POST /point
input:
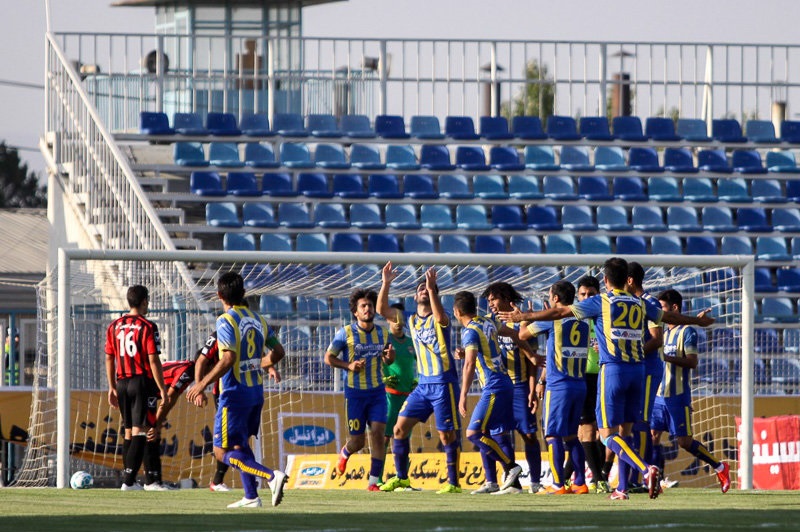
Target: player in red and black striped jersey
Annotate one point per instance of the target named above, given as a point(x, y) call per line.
point(134, 374)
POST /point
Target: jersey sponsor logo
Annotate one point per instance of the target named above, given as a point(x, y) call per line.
point(250, 365)
point(367, 350)
point(578, 352)
point(152, 402)
point(308, 435)
point(626, 334)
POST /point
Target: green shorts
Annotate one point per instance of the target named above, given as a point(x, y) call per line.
point(395, 403)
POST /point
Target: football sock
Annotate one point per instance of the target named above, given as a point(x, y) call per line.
point(452, 453)
point(152, 462)
point(400, 449)
point(219, 474)
point(135, 457)
point(489, 468)
point(533, 455)
point(658, 456)
point(623, 475)
point(592, 459)
point(344, 452)
point(578, 459)
point(126, 445)
point(507, 446)
point(487, 445)
point(700, 451)
point(555, 449)
point(244, 460)
point(622, 449)
point(376, 467)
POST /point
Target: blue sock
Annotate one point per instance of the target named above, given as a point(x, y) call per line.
point(578, 458)
point(489, 468)
point(489, 446)
point(555, 448)
point(700, 451)
point(401, 449)
point(658, 456)
point(244, 460)
point(622, 449)
point(452, 453)
point(623, 475)
point(376, 467)
point(249, 484)
point(506, 445)
point(533, 455)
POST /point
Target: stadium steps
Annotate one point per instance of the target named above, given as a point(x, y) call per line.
point(170, 214)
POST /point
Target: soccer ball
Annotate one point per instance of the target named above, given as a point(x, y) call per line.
point(81, 480)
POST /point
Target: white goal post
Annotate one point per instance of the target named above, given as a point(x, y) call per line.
point(742, 313)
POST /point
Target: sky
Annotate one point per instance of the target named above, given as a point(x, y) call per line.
point(23, 27)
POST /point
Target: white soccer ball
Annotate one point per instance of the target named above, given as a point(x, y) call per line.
point(81, 480)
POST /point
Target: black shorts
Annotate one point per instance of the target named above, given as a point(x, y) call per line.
point(136, 396)
point(588, 414)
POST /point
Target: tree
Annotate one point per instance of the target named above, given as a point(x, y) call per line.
point(537, 97)
point(18, 187)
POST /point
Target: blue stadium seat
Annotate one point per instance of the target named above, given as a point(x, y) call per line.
point(540, 158)
point(660, 129)
point(679, 160)
point(153, 123)
point(718, 220)
point(426, 128)
point(470, 158)
point(489, 187)
point(188, 124)
point(413, 243)
point(505, 159)
point(761, 132)
point(508, 218)
point(460, 128)
point(278, 185)
point(435, 157)
point(628, 189)
point(528, 128)
point(791, 340)
point(258, 214)
point(790, 131)
point(242, 184)
point(314, 242)
point(384, 186)
point(275, 307)
point(454, 186)
point(255, 125)
point(560, 243)
point(595, 128)
point(559, 188)
point(577, 218)
point(331, 157)
point(699, 189)
point(525, 244)
point(666, 245)
point(782, 161)
point(648, 218)
point(753, 220)
point(701, 245)
point(436, 217)
point(257, 155)
point(257, 276)
point(692, 130)
point(347, 242)
point(727, 130)
point(295, 338)
point(222, 214)
point(296, 155)
point(472, 217)
point(612, 218)
point(356, 127)
point(767, 191)
point(562, 128)
point(788, 279)
point(543, 218)
point(490, 244)
point(786, 220)
point(770, 248)
point(224, 154)
point(454, 244)
point(222, 124)
point(401, 216)
point(238, 242)
point(189, 154)
point(766, 341)
point(763, 280)
point(495, 128)
point(644, 160)
point(713, 161)
point(349, 186)
point(313, 185)
point(628, 128)
point(663, 189)
point(419, 186)
point(631, 245)
point(594, 188)
point(366, 216)
point(576, 159)
point(777, 310)
point(289, 125)
point(747, 162)
point(330, 216)
point(735, 245)
point(383, 243)
point(793, 190)
point(206, 184)
point(524, 187)
point(610, 159)
point(595, 244)
point(683, 219)
point(401, 157)
point(323, 126)
point(294, 215)
point(391, 127)
point(313, 308)
point(366, 157)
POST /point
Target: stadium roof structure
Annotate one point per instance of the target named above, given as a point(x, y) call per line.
point(25, 236)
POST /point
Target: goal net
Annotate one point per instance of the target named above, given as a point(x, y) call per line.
point(304, 297)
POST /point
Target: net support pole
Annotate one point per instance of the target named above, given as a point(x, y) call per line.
point(63, 393)
point(748, 381)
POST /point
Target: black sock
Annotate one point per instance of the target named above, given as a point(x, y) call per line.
point(219, 475)
point(569, 469)
point(590, 450)
point(126, 445)
point(135, 457)
point(607, 468)
point(152, 462)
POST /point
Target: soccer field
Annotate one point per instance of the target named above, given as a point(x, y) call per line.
point(678, 509)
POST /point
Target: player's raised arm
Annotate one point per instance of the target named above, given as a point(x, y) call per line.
point(382, 307)
point(550, 314)
point(676, 318)
point(438, 310)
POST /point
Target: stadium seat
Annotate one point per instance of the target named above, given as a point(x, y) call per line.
point(777, 310)
point(356, 127)
point(295, 338)
point(206, 184)
point(612, 218)
point(426, 128)
point(313, 308)
point(330, 216)
point(435, 157)
point(289, 125)
point(701, 245)
point(366, 157)
point(540, 158)
point(383, 243)
point(610, 159)
point(314, 242)
point(683, 219)
point(793, 190)
point(761, 132)
point(595, 244)
point(401, 216)
point(323, 126)
point(419, 186)
point(222, 214)
point(576, 159)
point(154, 123)
point(401, 157)
point(795, 247)
point(472, 217)
point(313, 185)
point(494, 128)
point(631, 245)
point(594, 188)
point(278, 185)
point(238, 242)
point(490, 244)
point(330, 157)
point(188, 124)
point(595, 128)
point(727, 130)
point(384, 186)
point(679, 160)
point(782, 161)
point(349, 186)
point(275, 307)
point(648, 218)
point(489, 187)
point(390, 127)
point(663, 189)
point(242, 184)
point(791, 340)
point(753, 220)
point(786, 220)
point(524, 187)
point(224, 154)
point(508, 218)
point(255, 125)
point(562, 128)
point(698, 189)
point(436, 217)
point(505, 159)
point(788, 279)
point(454, 244)
point(790, 131)
point(735, 245)
point(767, 191)
point(628, 189)
point(366, 216)
point(296, 155)
point(713, 161)
point(660, 129)
point(763, 280)
point(718, 220)
point(470, 158)
point(577, 218)
point(454, 186)
point(294, 216)
point(460, 128)
point(666, 245)
point(559, 188)
point(258, 215)
point(525, 244)
point(543, 218)
point(528, 128)
point(644, 160)
point(747, 162)
point(257, 155)
point(413, 243)
point(222, 124)
point(628, 128)
point(347, 242)
point(560, 243)
point(772, 248)
point(692, 130)
point(189, 154)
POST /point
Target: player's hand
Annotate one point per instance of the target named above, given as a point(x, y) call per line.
point(193, 392)
point(705, 321)
point(540, 391)
point(414, 384)
point(388, 354)
point(388, 273)
point(357, 366)
point(430, 281)
point(462, 406)
point(514, 315)
point(459, 353)
point(201, 400)
point(391, 381)
point(274, 374)
point(112, 399)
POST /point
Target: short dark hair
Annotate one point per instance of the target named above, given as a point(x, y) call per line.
point(615, 270)
point(504, 291)
point(362, 293)
point(565, 291)
point(136, 295)
point(230, 287)
point(672, 297)
point(466, 303)
point(589, 281)
point(636, 272)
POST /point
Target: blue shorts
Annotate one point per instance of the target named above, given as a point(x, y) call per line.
point(492, 413)
point(563, 404)
point(439, 399)
point(233, 425)
point(620, 396)
point(654, 373)
point(365, 406)
point(673, 415)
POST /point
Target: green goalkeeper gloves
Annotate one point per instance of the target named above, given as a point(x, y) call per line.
point(391, 381)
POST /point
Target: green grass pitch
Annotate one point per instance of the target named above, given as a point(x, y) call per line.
point(677, 509)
